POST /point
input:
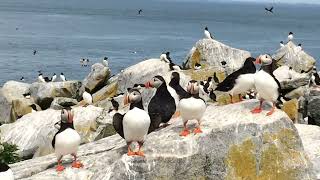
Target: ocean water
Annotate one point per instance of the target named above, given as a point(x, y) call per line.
point(64, 31)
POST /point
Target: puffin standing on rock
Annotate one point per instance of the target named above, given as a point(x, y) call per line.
point(66, 140)
point(267, 86)
point(162, 105)
point(207, 34)
point(192, 107)
point(165, 56)
point(239, 81)
point(87, 97)
point(5, 172)
point(134, 125)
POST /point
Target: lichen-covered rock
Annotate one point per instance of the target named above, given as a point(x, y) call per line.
point(96, 79)
point(210, 54)
point(59, 103)
point(310, 136)
point(108, 91)
point(44, 93)
point(13, 91)
point(235, 144)
point(290, 55)
point(36, 130)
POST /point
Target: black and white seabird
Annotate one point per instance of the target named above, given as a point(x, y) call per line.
point(269, 10)
point(105, 62)
point(207, 85)
point(33, 108)
point(43, 79)
point(5, 172)
point(62, 77)
point(82, 61)
point(207, 34)
point(87, 98)
point(315, 79)
point(299, 48)
point(215, 78)
point(175, 85)
point(281, 44)
point(165, 56)
point(86, 62)
point(197, 66)
point(162, 105)
point(134, 125)
point(54, 77)
point(66, 140)
point(22, 79)
point(239, 81)
point(140, 11)
point(27, 95)
point(192, 108)
point(34, 52)
point(290, 36)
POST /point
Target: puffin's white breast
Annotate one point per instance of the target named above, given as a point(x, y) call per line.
point(207, 34)
point(87, 97)
point(266, 86)
point(174, 95)
point(7, 175)
point(136, 124)
point(67, 142)
point(243, 83)
point(192, 108)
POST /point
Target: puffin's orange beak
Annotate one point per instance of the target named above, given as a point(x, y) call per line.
point(126, 100)
point(258, 61)
point(148, 85)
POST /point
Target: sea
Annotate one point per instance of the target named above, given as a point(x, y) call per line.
point(64, 31)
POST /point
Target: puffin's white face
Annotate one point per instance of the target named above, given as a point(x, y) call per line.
point(133, 96)
point(193, 87)
point(264, 59)
point(155, 82)
point(66, 116)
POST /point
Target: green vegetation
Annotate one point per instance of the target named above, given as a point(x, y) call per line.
point(8, 153)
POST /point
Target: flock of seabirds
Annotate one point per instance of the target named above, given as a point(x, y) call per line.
point(170, 101)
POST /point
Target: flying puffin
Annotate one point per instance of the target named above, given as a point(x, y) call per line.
point(267, 86)
point(239, 81)
point(290, 36)
point(165, 56)
point(191, 108)
point(134, 125)
point(62, 77)
point(5, 172)
point(66, 140)
point(54, 77)
point(87, 97)
point(162, 105)
point(207, 34)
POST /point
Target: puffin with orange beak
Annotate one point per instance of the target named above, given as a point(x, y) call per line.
point(134, 125)
point(162, 105)
point(66, 140)
point(192, 107)
point(239, 81)
point(267, 86)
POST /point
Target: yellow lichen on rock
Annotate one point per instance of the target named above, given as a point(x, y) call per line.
point(279, 157)
point(195, 58)
point(291, 109)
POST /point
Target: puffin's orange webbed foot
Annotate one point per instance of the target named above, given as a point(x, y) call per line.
point(197, 131)
point(59, 168)
point(140, 153)
point(256, 110)
point(77, 164)
point(131, 153)
point(185, 132)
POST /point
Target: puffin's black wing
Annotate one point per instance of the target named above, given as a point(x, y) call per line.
point(54, 141)
point(228, 83)
point(117, 124)
point(215, 78)
point(181, 92)
point(155, 122)
point(115, 104)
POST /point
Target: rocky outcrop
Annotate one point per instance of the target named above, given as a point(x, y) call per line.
point(36, 130)
point(235, 144)
point(108, 91)
point(310, 136)
point(291, 56)
point(12, 94)
point(96, 79)
point(44, 93)
point(59, 103)
point(314, 104)
point(210, 54)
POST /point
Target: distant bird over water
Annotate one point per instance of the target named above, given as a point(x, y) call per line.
point(140, 11)
point(207, 34)
point(269, 10)
point(34, 52)
point(22, 79)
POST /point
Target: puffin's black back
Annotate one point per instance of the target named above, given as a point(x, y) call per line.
point(4, 167)
point(162, 104)
point(175, 84)
point(117, 124)
point(228, 83)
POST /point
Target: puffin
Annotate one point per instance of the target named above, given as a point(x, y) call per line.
point(43, 79)
point(162, 105)
point(207, 85)
point(266, 84)
point(54, 77)
point(197, 66)
point(207, 34)
point(239, 81)
point(33, 108)
point(192, 107)
point(105, 62)
point(281, 44)
point(175, 67)
point(299, 48)
point(27, 95)
point(5, 172)
point(165, 56)
point(66, 140)
point(215, 78)
point(315, 79)
point(290, 36)
point(87, 97)
point(133, 126)
point(22, 79)
point(62, 77)
point(175, 84)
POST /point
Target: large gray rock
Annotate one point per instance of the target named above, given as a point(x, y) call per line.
point(290, 55)
point(235, 144)
point(313, 106)
point(36, 130)
point(97, 78)
point(59, 103)
point(12, 92)
point(44, 93)
point(210, 53)
point(310, 136)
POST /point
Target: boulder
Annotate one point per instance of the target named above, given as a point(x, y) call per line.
point(108, 91)
point(235, 144)
point(59, 103)
point(44, 93)
point(290, 55)
point(96, 79)
point(12, 93)
point(38, 129)
point(313, 108)
point(310, 136)
point(210, 54)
